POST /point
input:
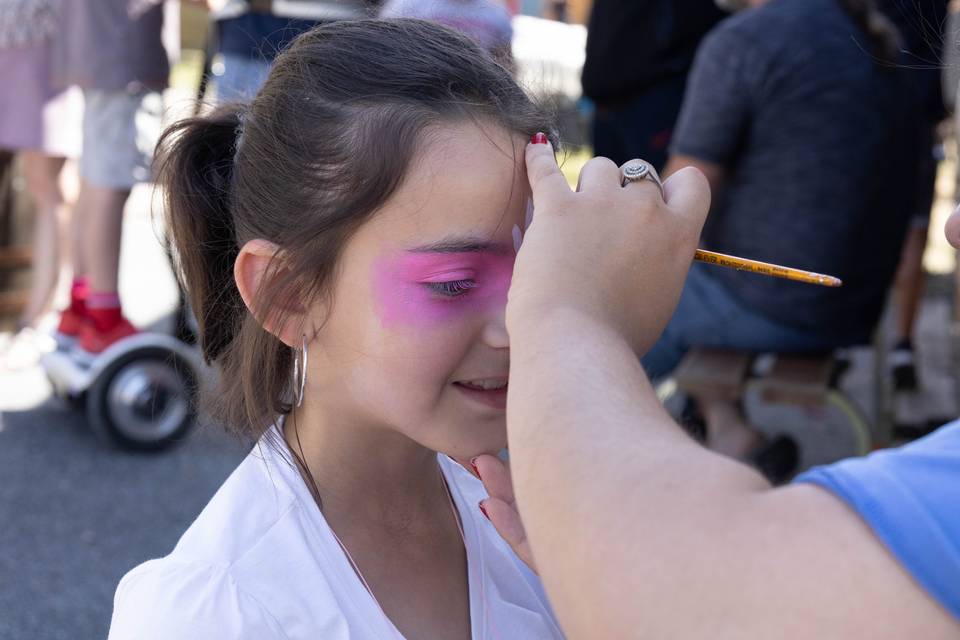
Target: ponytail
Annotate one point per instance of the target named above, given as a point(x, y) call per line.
point(196, 160)
point(884, 38)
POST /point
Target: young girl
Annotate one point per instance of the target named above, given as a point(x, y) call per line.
point(347, 241)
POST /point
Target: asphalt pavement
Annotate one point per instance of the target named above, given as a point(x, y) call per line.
point(75, 515)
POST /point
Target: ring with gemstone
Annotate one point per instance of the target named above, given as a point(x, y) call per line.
point(637, 170)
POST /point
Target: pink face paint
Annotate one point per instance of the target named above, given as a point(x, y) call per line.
point(427, 289)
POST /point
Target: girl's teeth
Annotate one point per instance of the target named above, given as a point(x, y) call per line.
point(486, 385)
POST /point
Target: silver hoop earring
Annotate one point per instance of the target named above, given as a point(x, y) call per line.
point(300, 372)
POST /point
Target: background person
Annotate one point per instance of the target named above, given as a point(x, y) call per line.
point(486, 22)
point(639, 53)
point(41, 122)
point(112, 50)
point(923, 24)
point(797, 143)
point(250, 35)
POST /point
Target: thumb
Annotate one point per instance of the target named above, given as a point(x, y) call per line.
point(543, 173)
point(687, 193)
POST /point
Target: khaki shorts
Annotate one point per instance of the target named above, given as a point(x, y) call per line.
point(120, 130)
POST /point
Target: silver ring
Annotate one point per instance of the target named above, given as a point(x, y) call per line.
point(637, 170)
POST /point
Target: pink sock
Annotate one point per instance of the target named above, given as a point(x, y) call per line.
point(104, 308)
point(79, 290)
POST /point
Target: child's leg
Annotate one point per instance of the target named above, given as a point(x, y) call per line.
point(119, 136)
point(102, 236)
point(75, 316)
point(909, 282)
point(78, 223)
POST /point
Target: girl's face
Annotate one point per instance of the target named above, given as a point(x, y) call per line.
point(414, 337)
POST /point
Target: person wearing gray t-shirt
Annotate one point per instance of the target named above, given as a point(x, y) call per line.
point(799, 116)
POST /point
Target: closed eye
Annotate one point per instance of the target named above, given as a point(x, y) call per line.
point(452, 289)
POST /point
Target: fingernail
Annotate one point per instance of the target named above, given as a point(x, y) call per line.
point(517, 238)
point(473, 463)
point(539, 138)
point(482, 510)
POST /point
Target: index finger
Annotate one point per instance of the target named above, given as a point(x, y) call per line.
point(543, 173)
point(496, 478)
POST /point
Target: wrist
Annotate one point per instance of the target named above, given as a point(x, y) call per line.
point(555, 326)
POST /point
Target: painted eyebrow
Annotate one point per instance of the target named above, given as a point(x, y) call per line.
point(461, 245)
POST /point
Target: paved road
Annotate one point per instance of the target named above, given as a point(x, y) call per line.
point(75, 516)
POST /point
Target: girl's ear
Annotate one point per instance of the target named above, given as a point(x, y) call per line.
point(259, 263)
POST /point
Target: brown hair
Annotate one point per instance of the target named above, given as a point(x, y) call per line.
point(322, 146)
point(884, 38)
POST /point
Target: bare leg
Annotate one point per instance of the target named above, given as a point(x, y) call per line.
point(78, 226)
point(42, 175)
point(910, 281)
point(103, 224)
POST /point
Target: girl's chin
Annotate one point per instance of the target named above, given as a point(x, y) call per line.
point(465, 454)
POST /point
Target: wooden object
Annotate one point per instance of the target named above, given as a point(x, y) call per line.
point(713, 373)
point(798, 379)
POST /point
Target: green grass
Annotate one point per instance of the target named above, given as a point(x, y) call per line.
point(185, 75)
point(572, 161)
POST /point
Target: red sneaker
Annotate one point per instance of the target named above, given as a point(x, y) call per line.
point(70, 326)
point(94, 341)
point(71, 322)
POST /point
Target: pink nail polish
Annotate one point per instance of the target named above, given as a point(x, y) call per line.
point(539, 138)
point(483, 510)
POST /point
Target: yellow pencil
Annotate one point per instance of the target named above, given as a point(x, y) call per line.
point(765, 268)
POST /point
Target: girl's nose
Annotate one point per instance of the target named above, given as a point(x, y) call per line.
point(495, 329)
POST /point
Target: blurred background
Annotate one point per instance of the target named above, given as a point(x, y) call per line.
point(104, 461)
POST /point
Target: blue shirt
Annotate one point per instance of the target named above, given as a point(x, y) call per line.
point(910, 497)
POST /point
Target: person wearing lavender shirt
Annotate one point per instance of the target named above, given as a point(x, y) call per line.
point(486, 22)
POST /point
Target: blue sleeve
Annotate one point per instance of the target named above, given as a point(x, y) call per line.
point(910, 497)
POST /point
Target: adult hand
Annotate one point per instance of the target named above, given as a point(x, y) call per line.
point(618, 254)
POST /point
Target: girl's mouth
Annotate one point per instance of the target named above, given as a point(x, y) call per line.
point(491, 392)
point(485, 384)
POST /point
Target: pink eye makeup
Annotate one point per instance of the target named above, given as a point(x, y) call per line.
point(452, 289)
point(442, 283)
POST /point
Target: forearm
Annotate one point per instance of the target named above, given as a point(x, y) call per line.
point(588, 470)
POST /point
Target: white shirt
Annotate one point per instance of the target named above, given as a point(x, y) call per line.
point(261, 562)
